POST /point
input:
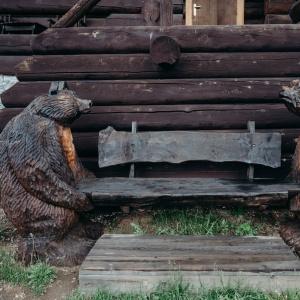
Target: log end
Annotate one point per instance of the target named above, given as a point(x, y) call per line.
point(294, 12)
point(164, 51)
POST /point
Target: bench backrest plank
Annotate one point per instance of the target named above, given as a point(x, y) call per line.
point(117, 147)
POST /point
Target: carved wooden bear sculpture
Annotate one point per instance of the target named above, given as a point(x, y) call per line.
point(290, 232)
point(291, 97)
point(39, 169)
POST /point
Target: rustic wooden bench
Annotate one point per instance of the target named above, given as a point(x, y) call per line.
point(175, 147)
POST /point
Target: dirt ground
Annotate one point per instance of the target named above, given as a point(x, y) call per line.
point(65, 283)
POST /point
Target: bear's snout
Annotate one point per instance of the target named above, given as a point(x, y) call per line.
point(85, 105)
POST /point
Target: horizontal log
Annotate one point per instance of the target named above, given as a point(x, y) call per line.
point(190, 39)
point(86, 143)
point(141, 192)
point(60, 7)
point(9, 62)
point(188, 170)
point(278, 19)
point(179, 117)
point(277, 6)
point(174, 91)
point(12, 44)
point(135, 66)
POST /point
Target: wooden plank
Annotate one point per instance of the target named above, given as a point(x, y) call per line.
point(144, 261)
point(117, 147)
point(278, 19)
point(16, 44)
point(179, 117)
point(145, 192)
point(86, 143)
point(136, 66)
point(148, 281)
point(277, 6)
point(51, 7)
point(190, 39)
point(143, 92)
point(76, 12)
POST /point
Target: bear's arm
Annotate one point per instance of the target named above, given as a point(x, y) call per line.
point(28, 159)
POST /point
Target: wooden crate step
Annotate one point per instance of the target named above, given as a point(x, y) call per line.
point(127, 263)
point(143, 192)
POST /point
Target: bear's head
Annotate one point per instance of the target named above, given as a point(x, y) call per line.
point(291, 96)
point(63, 107)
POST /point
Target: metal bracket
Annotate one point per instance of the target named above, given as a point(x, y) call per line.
point(195, 8)
point(132, 168)
point(251, 128)
point(57, 86)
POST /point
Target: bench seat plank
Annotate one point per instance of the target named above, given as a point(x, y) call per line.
point(119, 147)
point(130, 262)
point(143, 192)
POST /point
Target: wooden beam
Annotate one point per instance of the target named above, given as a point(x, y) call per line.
point(179, 117)
point(81, 8)
point(190, 39)
point(158, 92)
point(16, 44)
point(140, 66)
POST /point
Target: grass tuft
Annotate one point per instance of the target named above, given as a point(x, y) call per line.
point(201, 222)
point(182, 291)
point(36, 277)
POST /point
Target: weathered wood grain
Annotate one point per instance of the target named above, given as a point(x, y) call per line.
point(140, 66)
point(137, 262)
point(179, 117)
point(179, 146)
point(141, 92)
point(167, 192)
point(86, 143)
point(51, 7)
point(166, 13)
point(16, 44)
point(190, 39)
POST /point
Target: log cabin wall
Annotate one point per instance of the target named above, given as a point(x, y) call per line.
point(232, 76)
point(224, 78)
point(42, 14)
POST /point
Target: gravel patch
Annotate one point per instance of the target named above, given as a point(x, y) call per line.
point(5, 83)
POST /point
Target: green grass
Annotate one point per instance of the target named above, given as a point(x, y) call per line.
point(36, 277)
point(181, 291)
point(202, 222)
